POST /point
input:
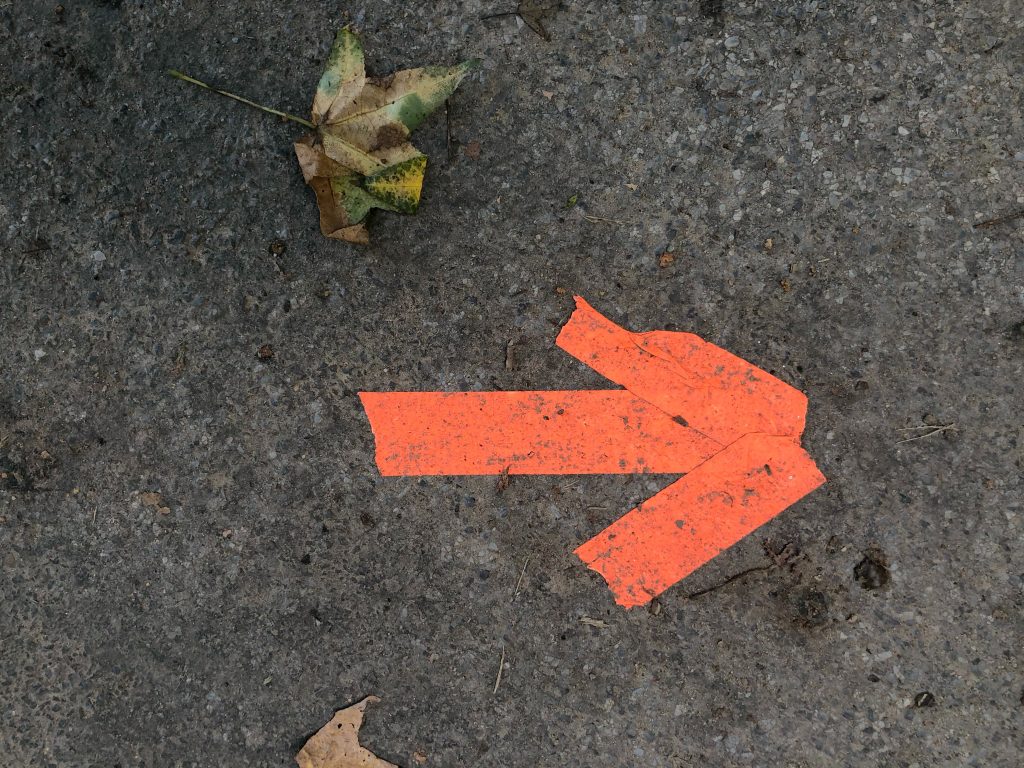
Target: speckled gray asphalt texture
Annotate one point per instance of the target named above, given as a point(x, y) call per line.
point(200, 560)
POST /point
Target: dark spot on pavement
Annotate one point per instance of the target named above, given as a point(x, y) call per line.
point(811, 608)
point(711, 9)
point(873, 571)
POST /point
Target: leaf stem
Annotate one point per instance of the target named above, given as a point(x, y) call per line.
point(295, 119)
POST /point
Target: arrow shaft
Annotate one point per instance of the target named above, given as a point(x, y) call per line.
point(529, 433)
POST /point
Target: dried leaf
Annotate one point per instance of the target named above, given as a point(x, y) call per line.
point(360, 157)
point(336, 745)
point(344, 78)
point(388, 110)
point(533, 13)
point(343, 204)
point(399, 186)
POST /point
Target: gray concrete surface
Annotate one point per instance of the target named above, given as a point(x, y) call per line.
point(276, 576)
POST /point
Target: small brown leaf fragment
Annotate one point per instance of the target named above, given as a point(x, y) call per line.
point(155, 501)
point(769, 244)
point(666, 259)
point(265, 352)
point(472, 150)
point(336, 745)
point(151, 499)
point(180, 362)
point(785, 285)
point(419, 758)
point(502, 485)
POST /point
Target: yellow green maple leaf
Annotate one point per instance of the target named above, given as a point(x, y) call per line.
point(358, 156)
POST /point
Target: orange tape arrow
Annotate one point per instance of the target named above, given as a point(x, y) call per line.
point(687, 407)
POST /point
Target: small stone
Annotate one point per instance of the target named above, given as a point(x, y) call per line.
point(665, 259)
point(732, 42)
point(265, 352)
point(924, 699)
point(278, 247)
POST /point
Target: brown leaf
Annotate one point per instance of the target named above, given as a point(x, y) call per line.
point(336, 745)
point(318, 170)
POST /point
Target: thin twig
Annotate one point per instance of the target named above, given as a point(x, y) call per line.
point(1000, 219)
point(532, 19)
point(287, 116)
point(935, 430)
point(501, 666)
point(588, 217)
point(781, 558)
point(515, 592)
point(448, 128)
point(730, 580)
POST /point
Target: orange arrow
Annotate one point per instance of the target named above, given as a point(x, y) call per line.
point(687, 407)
